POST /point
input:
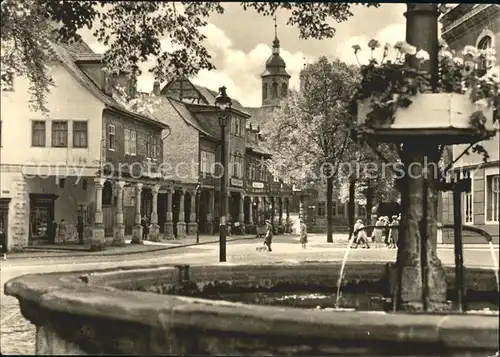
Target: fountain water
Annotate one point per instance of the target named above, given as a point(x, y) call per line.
point(342, 268)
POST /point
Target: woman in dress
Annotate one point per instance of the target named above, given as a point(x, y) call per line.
point(378, 233)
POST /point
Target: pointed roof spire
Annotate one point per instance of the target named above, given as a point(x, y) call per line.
point(276, 42)
point(275, 27)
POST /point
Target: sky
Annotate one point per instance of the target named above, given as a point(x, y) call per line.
point(240, 43)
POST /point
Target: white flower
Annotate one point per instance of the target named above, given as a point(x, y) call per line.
point(422, 55)
point(445, 54)
point(458, 61)
point(409, 49)
point(399, 45)
point(470, 51)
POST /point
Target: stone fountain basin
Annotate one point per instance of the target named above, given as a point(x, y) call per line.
point(131, 310)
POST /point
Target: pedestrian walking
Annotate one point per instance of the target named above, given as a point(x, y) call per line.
point(378, 232)
point(361, 235)
point(79, 229)
point(394, 234)
point(61, 233)
point(145, 227)
point(268, 239)
point(386, 231)
point(52, 231)
point(303, 234)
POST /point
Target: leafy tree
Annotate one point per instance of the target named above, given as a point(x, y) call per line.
point(309, 134)
point(132, 31)
point(370, 177)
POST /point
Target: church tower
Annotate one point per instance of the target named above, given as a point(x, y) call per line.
point(275, 79)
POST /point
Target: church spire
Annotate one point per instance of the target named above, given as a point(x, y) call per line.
point(276, 42)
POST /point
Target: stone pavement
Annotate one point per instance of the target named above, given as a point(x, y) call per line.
point(17, 335)
point(341, 240)
point(55, 251)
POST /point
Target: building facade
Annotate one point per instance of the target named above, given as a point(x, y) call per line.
point(476, 25)
point(198, 135)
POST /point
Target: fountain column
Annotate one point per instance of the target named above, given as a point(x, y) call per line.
point(421, 278)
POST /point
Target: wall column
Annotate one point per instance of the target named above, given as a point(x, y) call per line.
point(154, 229)
point(241, 213)
point(250, 211)
point(280, 212)
point(137, 229)
point(263, 203)
point(169, 224)
point(119, 228)
point(287, 210)
point(301, 209)
point(210, 211)
point(273, 209)
point(192, 225)
point(98, 241)
point(181, 225)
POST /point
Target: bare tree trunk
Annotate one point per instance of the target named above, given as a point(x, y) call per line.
point(329, 209)
point(369, 206)
point(350, 206)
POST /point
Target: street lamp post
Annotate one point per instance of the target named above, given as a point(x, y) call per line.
point(198, 192)
point(223, 103)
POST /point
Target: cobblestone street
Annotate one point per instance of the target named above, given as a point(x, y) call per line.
point(18, 335)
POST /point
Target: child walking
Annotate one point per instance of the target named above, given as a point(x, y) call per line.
point(268, 240)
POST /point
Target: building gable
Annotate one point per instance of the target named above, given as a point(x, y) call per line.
point(183, 90)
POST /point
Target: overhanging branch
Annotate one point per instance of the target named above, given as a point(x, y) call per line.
point(381, 156)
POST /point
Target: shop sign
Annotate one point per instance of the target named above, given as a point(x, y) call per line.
point(236, 182)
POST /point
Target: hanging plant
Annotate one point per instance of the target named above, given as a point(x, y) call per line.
point(389, 85)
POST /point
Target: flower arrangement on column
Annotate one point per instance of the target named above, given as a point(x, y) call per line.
point(465, 96)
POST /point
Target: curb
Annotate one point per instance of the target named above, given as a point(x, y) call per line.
point(63, 254)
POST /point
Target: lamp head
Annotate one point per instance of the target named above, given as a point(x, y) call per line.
point(222, 101)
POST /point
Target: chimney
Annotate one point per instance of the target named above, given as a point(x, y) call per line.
point(156, 88)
